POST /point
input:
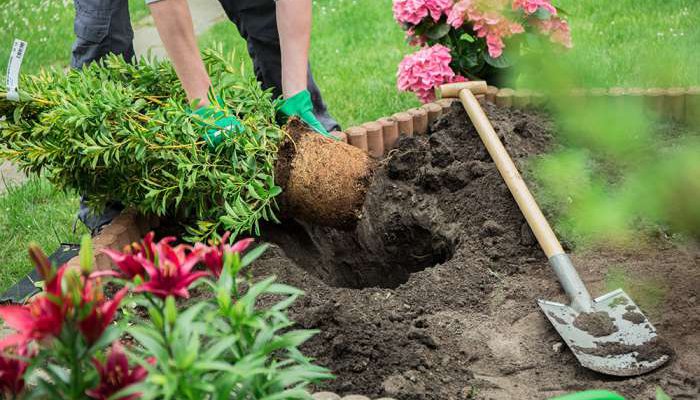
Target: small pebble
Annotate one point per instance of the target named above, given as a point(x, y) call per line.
point(355, 397)
point(557, 347)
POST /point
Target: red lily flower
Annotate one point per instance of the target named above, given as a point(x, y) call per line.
point(115, 375)
point(171, 273)
point(128, 261)
point(12, 371)
point(213, 256)
point(101, 314)
point(41, 319)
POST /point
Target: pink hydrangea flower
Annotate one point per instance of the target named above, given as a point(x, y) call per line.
point(413, 11)
point(458, 13)
point(422, 71)
point(557, 29)
point(487, 21)
point(531, 6)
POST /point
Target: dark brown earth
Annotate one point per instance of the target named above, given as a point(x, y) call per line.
point(633, 317)
point(434, 295)
point(597, 324)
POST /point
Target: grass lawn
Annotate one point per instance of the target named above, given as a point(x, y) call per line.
point(356, 47)
point(33, 212)
point(48, 30)
point(635, 42)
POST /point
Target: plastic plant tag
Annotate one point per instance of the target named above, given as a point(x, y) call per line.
point(13, 67)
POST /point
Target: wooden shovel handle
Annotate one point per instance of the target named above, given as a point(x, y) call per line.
point(538, 223)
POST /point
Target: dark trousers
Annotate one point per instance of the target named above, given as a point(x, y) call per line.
point(104, 26)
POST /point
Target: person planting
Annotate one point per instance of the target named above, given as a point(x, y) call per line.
point(125, 132)
point(278, 36)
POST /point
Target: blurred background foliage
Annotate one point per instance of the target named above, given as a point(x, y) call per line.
point(621, 171)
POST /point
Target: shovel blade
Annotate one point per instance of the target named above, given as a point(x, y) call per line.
point(613, 338)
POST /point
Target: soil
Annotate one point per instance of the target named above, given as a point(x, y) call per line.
point(598, 324)
point(633, 317)
point(433, 295)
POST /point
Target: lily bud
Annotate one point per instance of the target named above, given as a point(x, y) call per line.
point(73, 285)
point(40, 261)
point(86, 254)
point(170, 311)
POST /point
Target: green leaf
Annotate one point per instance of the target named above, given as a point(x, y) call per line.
point(275, 191)
point(253, 255)
point(467, 37)
point(150, 341)
point(438, 31)
point(661, 395)
point(501, 62)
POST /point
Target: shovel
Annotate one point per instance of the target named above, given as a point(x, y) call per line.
point(608, 334)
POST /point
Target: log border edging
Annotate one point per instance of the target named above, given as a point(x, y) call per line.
point(679, 104)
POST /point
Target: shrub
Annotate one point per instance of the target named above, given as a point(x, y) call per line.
point(121, 131)
point(474, 39)
point(222, 345)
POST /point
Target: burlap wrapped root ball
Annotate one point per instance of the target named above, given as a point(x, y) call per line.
point(325, 181)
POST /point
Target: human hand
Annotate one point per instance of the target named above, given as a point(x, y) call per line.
point(300, 106)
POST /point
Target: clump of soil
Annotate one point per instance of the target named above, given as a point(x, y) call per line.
point(433, 295)
point(633, 317)
point(649, 351)
point(597, 324)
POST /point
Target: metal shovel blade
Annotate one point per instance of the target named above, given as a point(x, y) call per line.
point(613, 338)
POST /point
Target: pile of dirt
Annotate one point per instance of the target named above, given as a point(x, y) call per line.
point(433, 296)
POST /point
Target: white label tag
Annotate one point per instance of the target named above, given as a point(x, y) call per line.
point(13, 66)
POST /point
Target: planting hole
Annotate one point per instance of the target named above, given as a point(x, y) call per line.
point(366, 257)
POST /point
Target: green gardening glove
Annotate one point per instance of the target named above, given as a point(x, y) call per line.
point(591, 395)
point(221, 126)
point(300, 106)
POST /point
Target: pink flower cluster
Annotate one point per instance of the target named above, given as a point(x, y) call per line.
point(531, 6)
point(424, 70)
point(167, 270)
point(413, 11)
point(557, 29)
point(487, 21)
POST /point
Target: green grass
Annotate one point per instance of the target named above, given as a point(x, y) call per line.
point(636, 42)
point(47, 26)
point(33, 212)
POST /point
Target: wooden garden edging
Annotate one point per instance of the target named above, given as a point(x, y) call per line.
point(677, 104)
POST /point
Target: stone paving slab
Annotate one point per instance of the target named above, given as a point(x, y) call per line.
point(9, 176)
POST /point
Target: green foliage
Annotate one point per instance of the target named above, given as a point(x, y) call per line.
point(121, 131)
point(621, 170)
point(234, 341)
point(227, 346)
